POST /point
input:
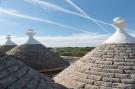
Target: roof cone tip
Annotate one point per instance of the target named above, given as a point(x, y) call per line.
point(9, 42)
point(120, 36)
point(31, 39)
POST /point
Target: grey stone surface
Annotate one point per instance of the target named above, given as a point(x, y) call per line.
point(5, 48)
point(16, 75)
point(109, 66)
point(38, 57)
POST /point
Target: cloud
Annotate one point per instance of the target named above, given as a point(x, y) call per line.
point(97, 22)
point(44, 4)
point(16, 13)
point(85, 15)
point(75, 6)
point(75, 40)
point(81, 14)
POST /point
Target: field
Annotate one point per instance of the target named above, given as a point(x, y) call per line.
point(72, 51)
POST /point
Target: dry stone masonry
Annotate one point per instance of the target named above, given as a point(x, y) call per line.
point(109, 66)
point(37, 56)
point(16, 75)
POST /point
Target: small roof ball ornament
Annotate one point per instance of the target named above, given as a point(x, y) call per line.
point(119, 23)
point(30, 33)
point(8, 37)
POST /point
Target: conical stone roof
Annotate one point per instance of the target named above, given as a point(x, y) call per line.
point(16, 75)
point(8, 45)
point(36, 55)
point(109, 66)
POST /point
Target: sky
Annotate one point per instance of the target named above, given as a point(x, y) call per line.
point(62, 23)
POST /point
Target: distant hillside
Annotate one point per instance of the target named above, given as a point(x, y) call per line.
point(72, 51)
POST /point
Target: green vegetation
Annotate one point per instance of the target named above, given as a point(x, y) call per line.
point(73, 51)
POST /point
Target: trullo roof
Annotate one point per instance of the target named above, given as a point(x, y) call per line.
point(36, 55)
point(109, 66)
point(16, 75)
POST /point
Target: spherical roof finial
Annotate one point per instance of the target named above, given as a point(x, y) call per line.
point(30, 33)
point(8, 37)
point(119, 22)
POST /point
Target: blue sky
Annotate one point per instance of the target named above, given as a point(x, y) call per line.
point(60, 18)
